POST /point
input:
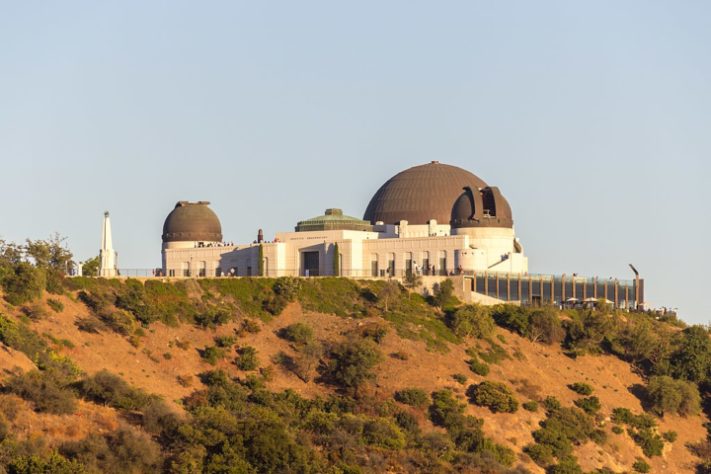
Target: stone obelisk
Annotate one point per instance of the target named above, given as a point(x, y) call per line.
point(107, 255)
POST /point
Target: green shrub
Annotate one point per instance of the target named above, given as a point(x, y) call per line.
point(471, 320)
point(247, 359)
point(667, 395)
point(105, 387)
point(651, 443)
point(22, 283)
point(641, 466)
point(625, 416)
point(35, 311)
point(544, 326)
point(412, 396)
point(692, 358)
point(670, 436)
point(590, 405)
point(298, 333)
point(581, 388)
point(212, 354)
point(530, 406)
point(352, 363)
point(512, 317)
point(225, 341)
point(445, 410)
point(443, 294)
point(494, 354)
point(478, 367)
point(375, 332)
point(493, 395)
point(382, 432)
point(617, 429)
point(551, 403)
point(46, 392)
point(460, 378)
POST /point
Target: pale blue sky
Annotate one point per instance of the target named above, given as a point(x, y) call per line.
point(594, 118)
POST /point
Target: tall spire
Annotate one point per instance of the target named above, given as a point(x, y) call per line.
point(107, 255)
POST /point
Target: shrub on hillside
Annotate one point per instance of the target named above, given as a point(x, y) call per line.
point(375, 332)
point(46, 392)
point(581, 388)
point(667, 395)
point(384, 433)
point(493, 395)
point(443, 294)
point(123, 450)
point(471, 320)
point(590, 405)
point(22, 283)
point(530, 406)
point(56, 305)
point(412, 396)
point(544, 326)
point(692, 358)
point(105, 387)
point(512, 317)
point(247, 358)
point(352, 363)
point(212, 354)
point(478, 367)
point(298, 333)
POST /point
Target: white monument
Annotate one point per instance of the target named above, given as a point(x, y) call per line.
point(107, 255)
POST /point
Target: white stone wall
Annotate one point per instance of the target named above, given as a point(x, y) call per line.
point(478, 249)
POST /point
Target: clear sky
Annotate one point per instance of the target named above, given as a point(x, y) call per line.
point(594, 118)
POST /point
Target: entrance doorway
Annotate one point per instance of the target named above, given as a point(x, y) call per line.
point(310, 263)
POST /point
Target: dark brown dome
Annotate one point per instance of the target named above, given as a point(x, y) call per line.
point(192, 222)
point(485, 207)
point(419, 194)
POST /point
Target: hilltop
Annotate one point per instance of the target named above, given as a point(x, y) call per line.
point(336, 375)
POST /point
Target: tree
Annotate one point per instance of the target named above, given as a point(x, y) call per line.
point(336, 260)
point(390, 291)
point(91, 267)
point(443, 293)
point(667, 395)
point(692, 359)
point(352, 363)
point(412, 280)
point(471, 320)
point(544, 326)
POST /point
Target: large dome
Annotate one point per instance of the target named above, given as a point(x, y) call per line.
point(192, 222)
point(420, 193)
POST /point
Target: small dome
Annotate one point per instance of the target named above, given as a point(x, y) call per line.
point(485, 207)
point(192, 222)
point(420, 193)
point(333, 219)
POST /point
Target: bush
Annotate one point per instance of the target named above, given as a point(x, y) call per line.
point(581, 388)
point(412, 396)
point(225, 341)
point(460, 378)
point(471, 320)
point(247, 359)
point(443, 294)
point(493, 395)
point(45, 391)
point(382, 432)
point(530, 406)
point(298, 333)
point(352, 363)
point(617, 429)
point(23, 283)
point(590, 405)
point(667, 395)
point(641, 466)
point(478, 367)
point(56, 305)
point(212, 354)
point(544, 326)
point(651, 443)
point(376, 332)
point(105, 387)
point(670, 436)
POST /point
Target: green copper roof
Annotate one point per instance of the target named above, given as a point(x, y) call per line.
point(333, 219)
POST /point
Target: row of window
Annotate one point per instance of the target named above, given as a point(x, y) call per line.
point(425, 266)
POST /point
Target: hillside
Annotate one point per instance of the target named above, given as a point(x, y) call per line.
point(333, 375)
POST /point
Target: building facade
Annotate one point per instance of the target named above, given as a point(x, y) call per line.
point(433, 219)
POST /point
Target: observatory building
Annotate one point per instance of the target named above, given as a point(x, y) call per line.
point(433, 220)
